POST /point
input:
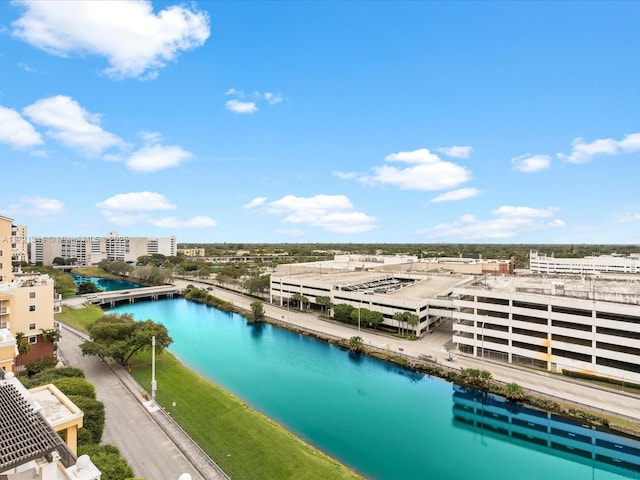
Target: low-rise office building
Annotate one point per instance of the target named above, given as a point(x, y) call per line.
point(581, 324)
point(593, 265)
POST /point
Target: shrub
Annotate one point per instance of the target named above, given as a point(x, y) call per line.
point(75, 386)
point(37, 366)
point(108, 460)
point(93, 421)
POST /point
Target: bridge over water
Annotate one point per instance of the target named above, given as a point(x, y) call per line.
point(116, 297)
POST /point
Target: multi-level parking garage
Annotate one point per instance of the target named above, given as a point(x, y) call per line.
point(570, 322)
point(383, 284)
point(585, 324)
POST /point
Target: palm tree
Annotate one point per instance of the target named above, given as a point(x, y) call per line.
point(356, 344)
point(412, 319)
point(399, 317)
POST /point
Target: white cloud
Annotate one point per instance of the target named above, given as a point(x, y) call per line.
point(194, 222)
point(629, 217)
point(345, 175)
point(237, 106)
point(508, 222)
point(136, 201)
point(582, 152)
point(455, 195)
point(71, 124)
point(421, 156)
point(15, 131)
point(272, 98)
point(150, 138)
point(136, 41)
point(43, 207)
point(256, 202)
point(333, 213)
point(157, 157)
point(136, 207)
point(456, 151)
point(248, 102)
point(427, 172)
point(531, 163)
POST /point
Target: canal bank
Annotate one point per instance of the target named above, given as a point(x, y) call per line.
point(365, 412)
point(582, 395)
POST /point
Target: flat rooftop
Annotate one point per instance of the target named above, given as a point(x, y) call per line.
point(412, 286)
point(614, 288)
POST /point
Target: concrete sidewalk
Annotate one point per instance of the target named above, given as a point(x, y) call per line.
point(153, 444)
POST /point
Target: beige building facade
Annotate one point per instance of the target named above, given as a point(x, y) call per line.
point(26, 304)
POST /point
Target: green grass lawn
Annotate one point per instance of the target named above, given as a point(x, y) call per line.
point(79, 318)
point(245, 443)
point(94, 272)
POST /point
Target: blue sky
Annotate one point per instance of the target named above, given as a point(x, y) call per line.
point(364, 122)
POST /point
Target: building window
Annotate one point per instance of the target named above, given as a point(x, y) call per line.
point(32, 308)
point(32, 326)
point(1, 253)
point(32, 294)
point(1, 265)
point(33, 339)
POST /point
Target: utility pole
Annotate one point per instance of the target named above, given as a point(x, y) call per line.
point(154, 385)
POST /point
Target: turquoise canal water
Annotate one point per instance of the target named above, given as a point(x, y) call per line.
point(106, 284)
point(383, 421)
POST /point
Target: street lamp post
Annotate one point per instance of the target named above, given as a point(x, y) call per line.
point(154, 385)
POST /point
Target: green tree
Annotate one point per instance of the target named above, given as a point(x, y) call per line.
point(258, 285)
point(375, 318)
point(412, 319)
point(325, 303)
point(88, 287)
point(399, 317)
point(36, 366)
point(300, 299)
point(120, 337)
point(342, 312)
point(257, 311)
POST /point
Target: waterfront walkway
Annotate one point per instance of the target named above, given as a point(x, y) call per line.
point(152, 443)
point(434, 345)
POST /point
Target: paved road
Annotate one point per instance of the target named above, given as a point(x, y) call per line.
point(153, 445)
point(434, 344)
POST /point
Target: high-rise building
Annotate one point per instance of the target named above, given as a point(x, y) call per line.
point(92, 250)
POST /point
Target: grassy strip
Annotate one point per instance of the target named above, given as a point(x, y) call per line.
point(79, 318)
point(245, 443)
point(95, 272)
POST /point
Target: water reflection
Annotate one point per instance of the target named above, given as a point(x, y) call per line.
point(256, 329)
point(106, 284)
point(498, 417)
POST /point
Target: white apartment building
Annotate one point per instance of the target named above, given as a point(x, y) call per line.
point(92, 250)
point(542, 263)
point(585, 324)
